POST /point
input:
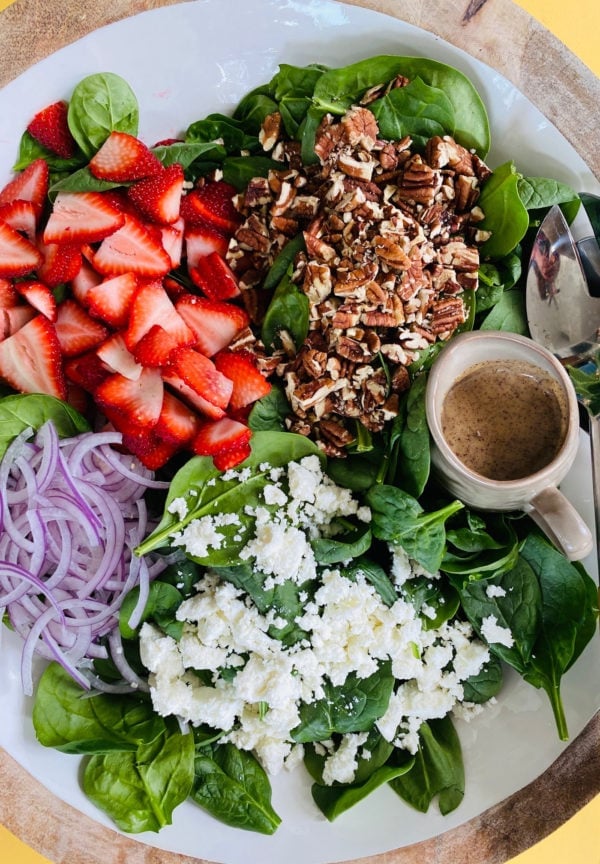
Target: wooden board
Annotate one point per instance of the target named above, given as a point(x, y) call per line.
point(504, 36)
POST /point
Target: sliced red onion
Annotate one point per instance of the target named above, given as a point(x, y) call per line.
point(72, 512)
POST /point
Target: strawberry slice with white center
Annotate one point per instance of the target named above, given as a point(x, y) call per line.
point(248, 383)
point(177, 422)
point(123, 158)
point(212, 203)
point(17, 255)
point(151, 305)
point(39, 296)
point(137, 402)
point(190, 397)
point(15, 317)
point(81, 217)
point(132, 249)
point(215, 323)
point(22, 216)
point(31, 359)
point(201, 374)
point(86, 370)
point(155, 347)
point(30, 185)
point(50, 127)
point(118, 358)
point(110, 300)
point(172, 241)
point(77, 332)
point(61, 262)
point(215, 278)
point(201, 240)
point(84, 279)
point(222, 435)
point(158, 197)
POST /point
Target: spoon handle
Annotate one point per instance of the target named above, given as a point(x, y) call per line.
point(595, 453)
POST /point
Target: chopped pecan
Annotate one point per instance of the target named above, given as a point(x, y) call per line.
point(360, 128)
point(254, 234)
point(335, 432)
point(446, 315)
point(270, 130)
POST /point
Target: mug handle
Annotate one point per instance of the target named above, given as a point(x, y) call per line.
point(561, 522)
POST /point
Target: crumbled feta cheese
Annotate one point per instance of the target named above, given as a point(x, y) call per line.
point(495, 591)
point(493, 632)
point(178, 507)
point(341, 765)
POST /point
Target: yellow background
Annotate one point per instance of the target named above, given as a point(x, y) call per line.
point(577, 24)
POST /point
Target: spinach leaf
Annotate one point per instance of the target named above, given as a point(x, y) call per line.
point(479, 546)
point(337, 89)
point(269, 413)
point(586, 381)
point(376, 575)
point(515, 604)
point(437, 770)
point(509, 313)
point(140, 790)
point(487, 683)
point(399, 518)
point(100, 104)
point(417, 109)
point(283, 261)
point(163, 601)
point(334, 800)
point(342, 547)
point(254, 108)
point(358, 471)
point(30, 150)
point(219, 127)
point(289, 311)
point(505, 214)
point(187, 152)
point(239, 170)
point(81, 180)
point(569, 611)
point(31, 410)
point(413, 456)
point(233, 787)
point(350, 707)
point(205, 492)
point(69, 719)
point(541, 193)
point(429, 596)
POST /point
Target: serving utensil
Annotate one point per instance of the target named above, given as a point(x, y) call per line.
point(563, 315)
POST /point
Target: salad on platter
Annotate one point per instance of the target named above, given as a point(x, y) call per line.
point(219, 524)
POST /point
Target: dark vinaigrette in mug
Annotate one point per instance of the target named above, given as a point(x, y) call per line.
point(505, 419)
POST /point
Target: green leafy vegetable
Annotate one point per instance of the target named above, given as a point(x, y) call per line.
point(417, 110)
point(232, 786)
point(288, 311)
point(31, 410)
point(161, 605)
point(100, 104)
point(505, 214)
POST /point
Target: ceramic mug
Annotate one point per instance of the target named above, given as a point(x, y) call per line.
point(537, 493)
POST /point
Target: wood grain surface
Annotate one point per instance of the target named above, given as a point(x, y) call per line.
point(505, 37)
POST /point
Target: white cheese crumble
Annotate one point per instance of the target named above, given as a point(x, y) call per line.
point(495, 591)
point(493, 632)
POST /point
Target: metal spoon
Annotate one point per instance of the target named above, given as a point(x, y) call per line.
point(563, 315)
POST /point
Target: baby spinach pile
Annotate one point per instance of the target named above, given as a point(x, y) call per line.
point(139, 766)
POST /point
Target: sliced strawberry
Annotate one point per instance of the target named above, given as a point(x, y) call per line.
point(17, 255)
point(206, 408)
point(83, 281)
point(123, 158)
point(31, 359)
point(132, 249)
point(86, 370)
point(152, 451)
point(15, 317)
point(248, 383)
point(201, 374)
point(77, 332)
point(116, 356)
point(8, 294)
point(22, 216)
point(39, 296)
point(225, 434)
point(173, 287)
point(50, 128)
point(151, 305)
point(215, 278)
point(201, 240)
point(212, 203)
point(77, 398)
point(214, 323)
point(139, 402)
point(171, 237)
point(110, 300)
point(30, 185)
point(226, 459)
point(81, 217)
point(158, 197)
point(155, 347)
point(177, 423)
point(61, 262)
